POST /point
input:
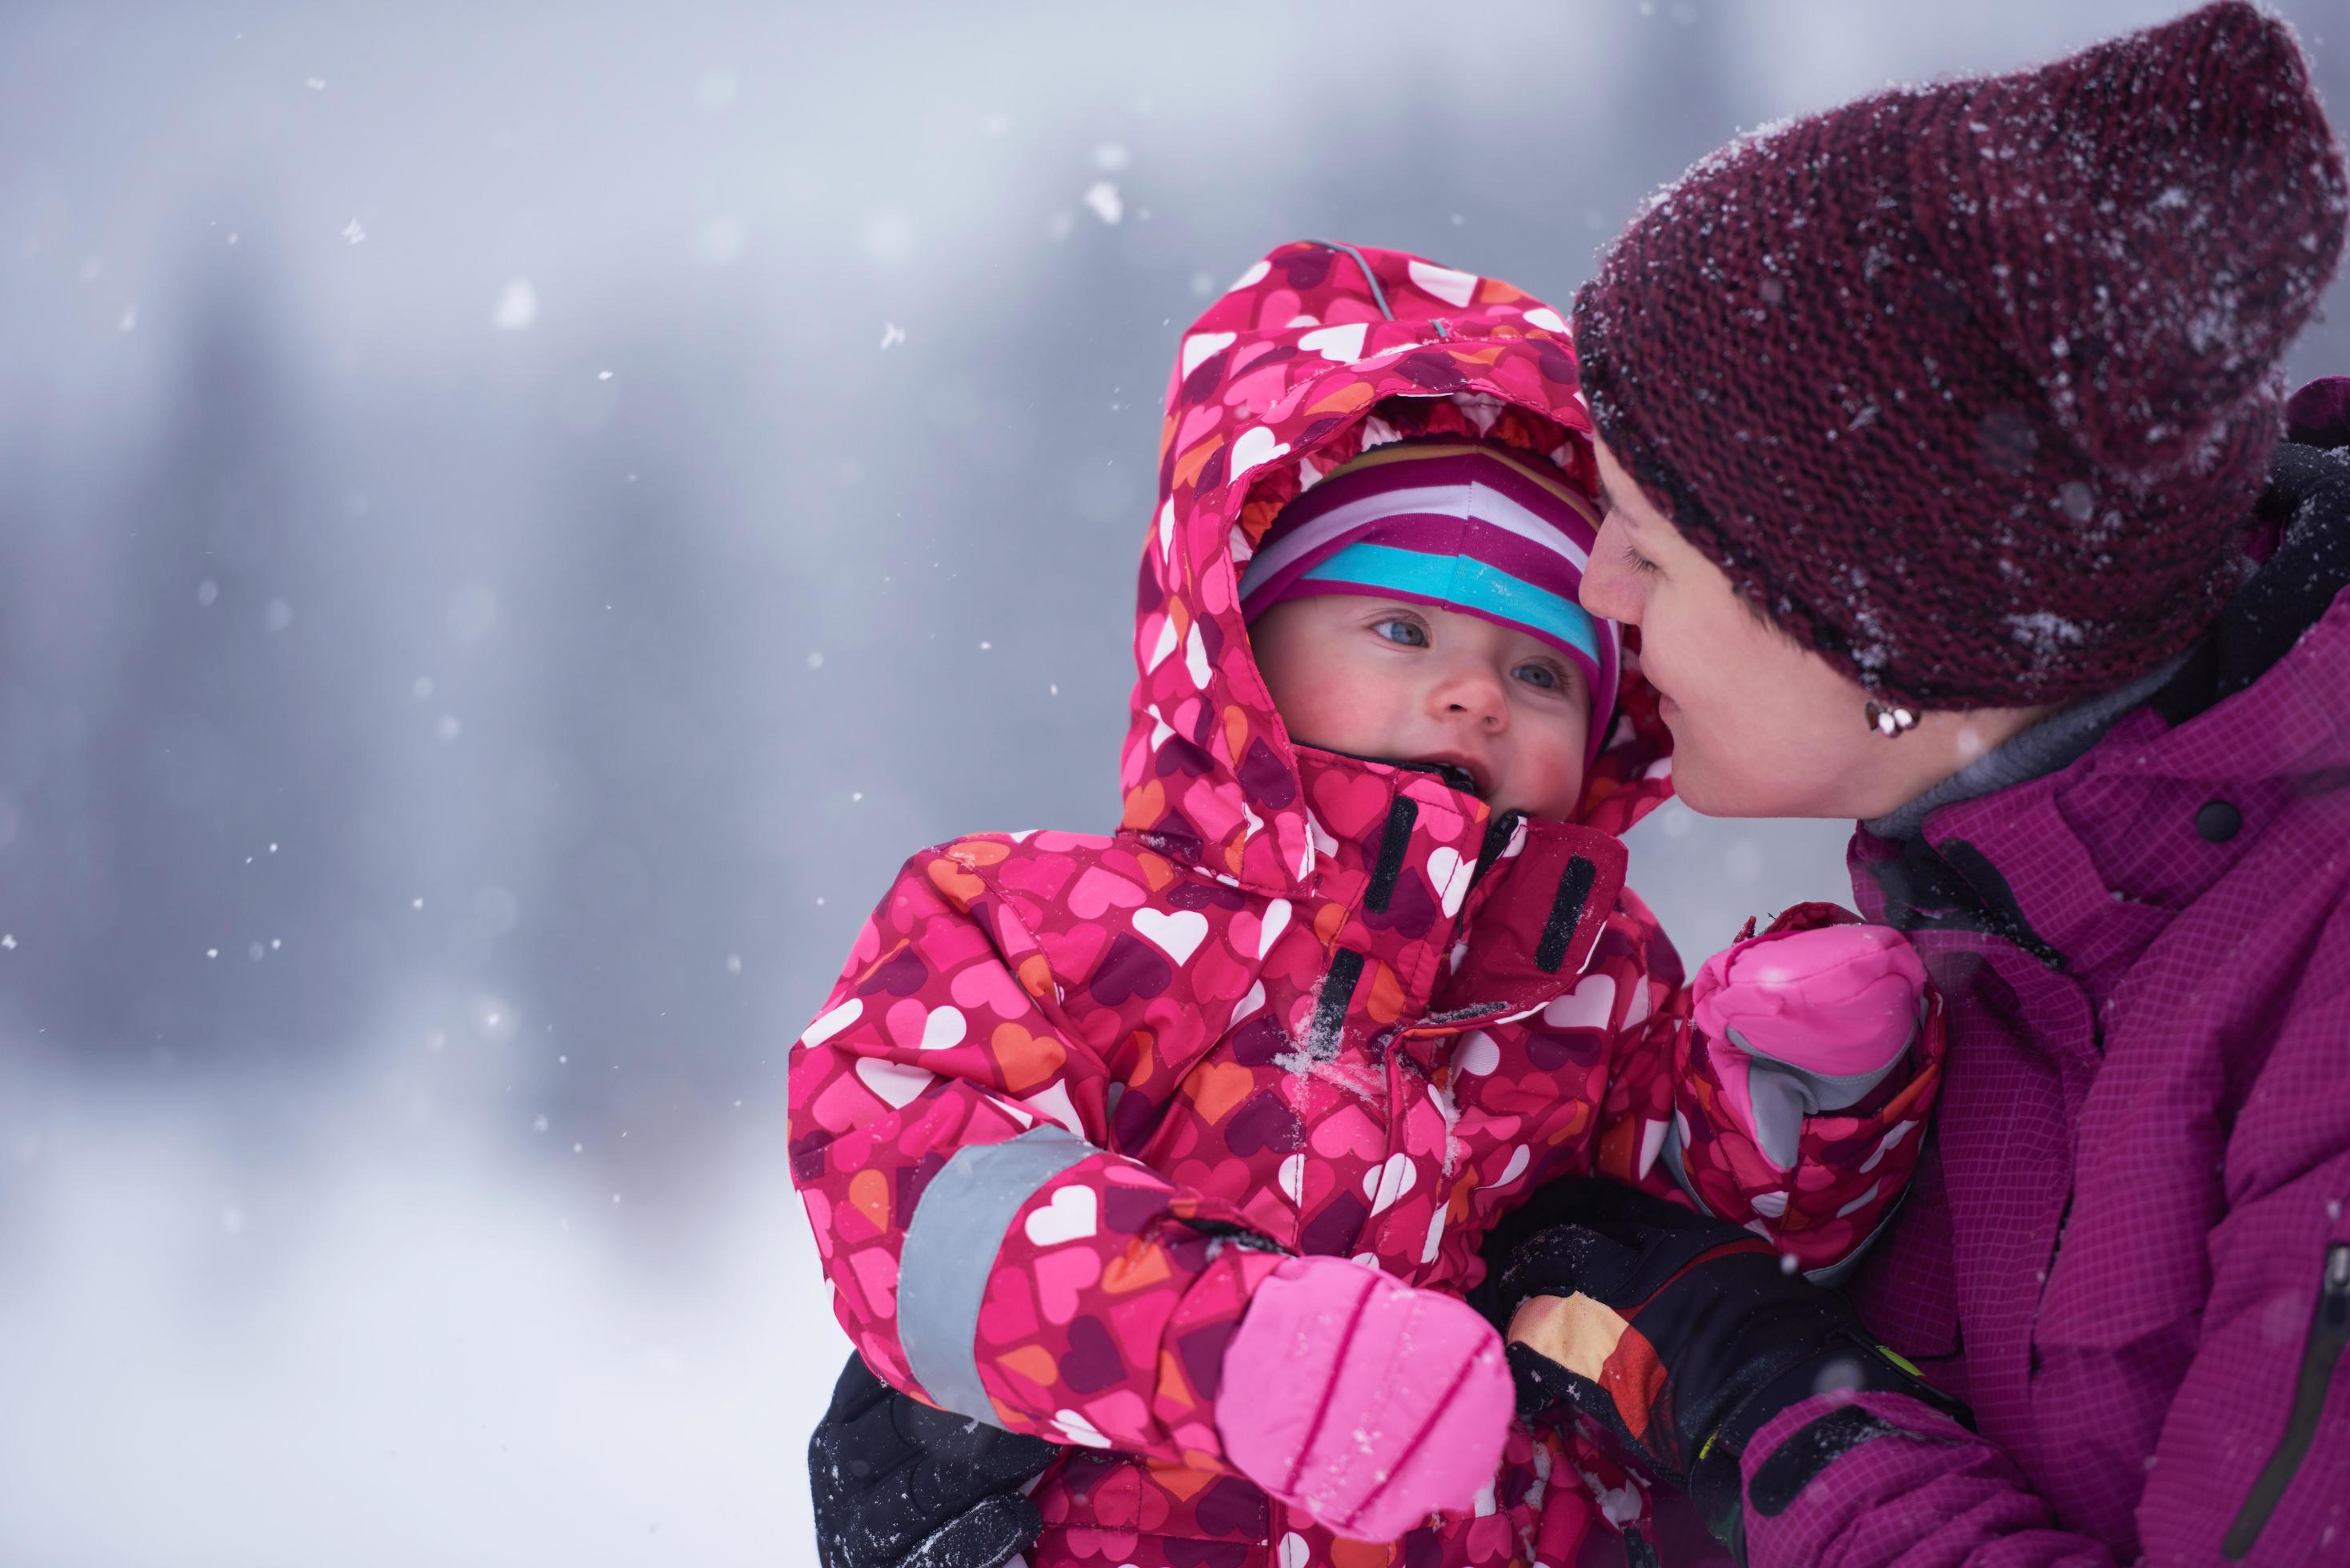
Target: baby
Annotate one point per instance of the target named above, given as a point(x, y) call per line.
point(1177, 1145)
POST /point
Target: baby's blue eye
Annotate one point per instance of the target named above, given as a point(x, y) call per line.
point(1403, 631)
point(1541, 675)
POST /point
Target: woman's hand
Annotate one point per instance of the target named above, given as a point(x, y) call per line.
point(1678, 1335)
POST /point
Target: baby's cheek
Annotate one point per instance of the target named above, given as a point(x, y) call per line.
point(1341, 709)
point(1547, 772)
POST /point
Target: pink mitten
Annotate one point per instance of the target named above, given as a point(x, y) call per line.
point(1799, 1021)
point(1363, 1401)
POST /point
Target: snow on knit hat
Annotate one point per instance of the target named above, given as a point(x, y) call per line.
point(1461, 525)
point(1972, 385)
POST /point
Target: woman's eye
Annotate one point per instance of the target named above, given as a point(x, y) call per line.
point(1638, 561)
point(1541, 675)
point(1408, 633)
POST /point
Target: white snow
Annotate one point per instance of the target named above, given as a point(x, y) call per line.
point(1103, 198)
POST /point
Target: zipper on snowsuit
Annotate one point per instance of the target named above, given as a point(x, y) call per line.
point(2329, 1329)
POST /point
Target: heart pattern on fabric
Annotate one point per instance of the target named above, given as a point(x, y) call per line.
point(944, 1027)
point(1276, 922)
point(1519, 1157)
point(1450, 286)
point(1072, 1216)
point(1338, 344)
point(1291, 1177)
point(1178, 935)
point(833, 1022)
point(1588, 1006)
point(1099, 890)
point(1254, 449)
point(1478, 1055)
point(898, 1082)
point(1389, 1182)
point(1195, 659)
point(1079, 1430)
point(1053, 1105)
point(913, 1027)
point(1449, 874)
point(1203, 346)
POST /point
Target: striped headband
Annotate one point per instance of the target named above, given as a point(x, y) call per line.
point(1462, 526)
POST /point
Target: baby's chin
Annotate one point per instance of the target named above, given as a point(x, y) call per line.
point(1545, 804)
point(1548, 811)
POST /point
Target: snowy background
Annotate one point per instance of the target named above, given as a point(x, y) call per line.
point(511, 526)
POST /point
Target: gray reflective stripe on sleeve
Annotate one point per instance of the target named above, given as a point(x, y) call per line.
point(950, 1246)
point(1783, 1095)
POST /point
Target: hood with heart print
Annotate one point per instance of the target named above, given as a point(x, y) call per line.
point(1319, 352)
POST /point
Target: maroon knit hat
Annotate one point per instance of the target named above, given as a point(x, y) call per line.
point(1973, 386)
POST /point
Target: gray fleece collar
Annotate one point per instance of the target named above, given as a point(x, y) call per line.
point(2056, 741)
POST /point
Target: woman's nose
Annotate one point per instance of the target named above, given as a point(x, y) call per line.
point(1610, 587)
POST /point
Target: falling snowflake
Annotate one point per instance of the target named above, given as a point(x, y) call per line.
point(892, 334)
point(518, 307)
point(1103, 198)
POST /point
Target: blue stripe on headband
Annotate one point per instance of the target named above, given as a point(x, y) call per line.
point(1467, 581)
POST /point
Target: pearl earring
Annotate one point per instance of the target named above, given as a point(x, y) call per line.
point(1889, 721)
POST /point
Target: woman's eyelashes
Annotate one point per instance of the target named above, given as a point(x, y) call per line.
point(1638, 561)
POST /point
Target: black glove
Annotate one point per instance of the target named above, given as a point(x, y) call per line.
point(1676, 1333)
point(898, 1484)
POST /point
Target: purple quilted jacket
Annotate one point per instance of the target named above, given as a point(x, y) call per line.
point(2127, 1247)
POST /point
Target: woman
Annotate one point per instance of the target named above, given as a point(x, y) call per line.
point(1941, 434)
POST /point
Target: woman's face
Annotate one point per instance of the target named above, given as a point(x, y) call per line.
point(1761, 726)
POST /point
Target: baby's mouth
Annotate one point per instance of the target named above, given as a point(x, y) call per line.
point(1460, 773)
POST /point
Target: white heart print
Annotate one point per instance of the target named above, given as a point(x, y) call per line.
point(1079, 1430)
point(1518, 1160)
point(1339, 343)
point(833, 1022)
point(942, 1028)
point(1195, 657)
point(1450, 876)
point(1478, 1055)
point(1588, 1006)
point(1277, 920)
point(1200, 346)
point(1292, 1176)
point(1163, 647)
point(1178, 935)
point(1072, 1216)
point(1389, 1182)
point(1055, 1107)
point(895, 1081)
point(1255, 448)
point(1450, 286)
